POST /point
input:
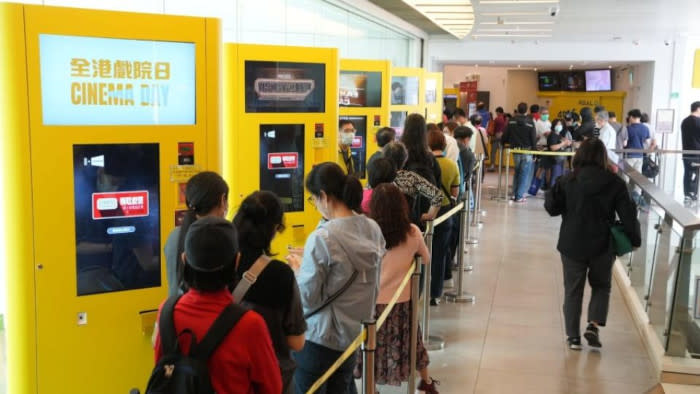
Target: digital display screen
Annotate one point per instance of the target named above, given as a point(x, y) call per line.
point(598, 81)
point(574, 81)
point(117, 217)
point(89, 81)
point(359, 144)
point(285, 87)
point(549, 81)
point(450, 102)
point(282, 163)
point(360, 89)
point(404, 90)
point(430, 91)
point(397, 121)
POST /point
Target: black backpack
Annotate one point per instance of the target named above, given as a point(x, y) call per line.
point(177, 373)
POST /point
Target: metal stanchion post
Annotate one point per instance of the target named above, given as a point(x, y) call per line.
point(505, 192)
point(415, 296)
point(459, 295)
point(477, 194)
point(434, 342)
point(466, 224)
point(368, 348)
point(500, 172)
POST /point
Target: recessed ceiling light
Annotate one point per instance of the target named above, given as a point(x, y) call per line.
point(518, 1)
point(515, 35)
point(571, 67)
point(535, 68)
point(515, 30)
point(518, 66)
point(456, 18)
point(610, 67)
point(518, 23)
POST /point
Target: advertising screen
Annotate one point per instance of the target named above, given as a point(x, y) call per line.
point(430, 91)
point(574, 81)
point(398, 118)
point(117, 217)
point(282, 163)
point(598, 81)
point(359, 144)
point(450, 102)
point(404, 90)
point(285, 87)
point(549, 81)
point(360, 89)
point(109, 81)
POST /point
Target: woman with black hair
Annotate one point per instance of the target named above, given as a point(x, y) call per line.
point(206, 194)
point(420, 160)
point(588, 200)
point(338, 278)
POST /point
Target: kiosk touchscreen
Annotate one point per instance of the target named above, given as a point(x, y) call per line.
point(407, 95)
point(284, 87)
point(404, 90)
point(360, 89)
point(359, 144)
point(282, 163)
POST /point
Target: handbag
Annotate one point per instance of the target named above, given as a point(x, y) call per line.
point(649, 168)
point(621, 242)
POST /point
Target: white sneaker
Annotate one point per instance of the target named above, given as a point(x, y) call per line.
point(449, 283)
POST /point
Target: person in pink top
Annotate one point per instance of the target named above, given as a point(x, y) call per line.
point(404, 240)
point(379, 171)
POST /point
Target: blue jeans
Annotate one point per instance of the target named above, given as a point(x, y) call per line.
point(313, 361)
point(523, 174)
point(441, 254)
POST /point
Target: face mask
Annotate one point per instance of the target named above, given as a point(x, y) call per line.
point(558, 128)
point(545, 117)
point(347, 138)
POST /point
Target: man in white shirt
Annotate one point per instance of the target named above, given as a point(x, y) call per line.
point(452, 149)
point(543, 127)
point(607, 135)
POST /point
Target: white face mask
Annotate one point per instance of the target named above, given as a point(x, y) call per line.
point(347, 138)
point(558, 128)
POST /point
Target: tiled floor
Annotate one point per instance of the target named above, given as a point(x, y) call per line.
point(512, 339)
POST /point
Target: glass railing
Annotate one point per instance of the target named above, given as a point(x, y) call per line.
point(665, 270)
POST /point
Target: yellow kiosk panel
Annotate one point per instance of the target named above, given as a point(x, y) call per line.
point(282, 115)
point(364, 99)
point(433, 97)
point(115, 103)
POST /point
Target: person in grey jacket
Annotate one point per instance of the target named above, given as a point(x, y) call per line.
point(341, 256)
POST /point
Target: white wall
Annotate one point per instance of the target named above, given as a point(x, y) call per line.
point(639, 90)
point(358, 28)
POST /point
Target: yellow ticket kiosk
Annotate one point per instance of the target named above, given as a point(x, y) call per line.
point(407, 95)
point(364, 99)
point(103, 115)
point(281, 119)
point(433, 96)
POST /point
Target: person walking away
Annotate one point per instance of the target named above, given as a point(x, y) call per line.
point(441, 269)
point(587, 127)
point(338, 278)
point(520, 134)
point(690, 134)
point(244, 362)
point(384, 136)
point(588, 199)
point(274, 292)
point(638, 135)
point(608, 136)
point(206, 194)
point(346, 135)
point(499, 125)
point(484, 113)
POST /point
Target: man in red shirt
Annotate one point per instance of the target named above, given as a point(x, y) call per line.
point(499, 125)
point(245, 362)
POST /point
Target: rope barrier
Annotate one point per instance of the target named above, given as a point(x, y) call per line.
point(448, 214)
point(350, 351)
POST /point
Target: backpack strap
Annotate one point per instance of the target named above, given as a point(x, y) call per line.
point(218, 331)
point(249, 278)
point(166, 327)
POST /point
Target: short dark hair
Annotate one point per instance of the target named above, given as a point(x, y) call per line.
point(452, 125)
point(694, 106)
point(598, 108)
point(460, 112)
point(644, 118)
point(462, 132)
point(475, 119)
point(635, 113)
point(499, 110)
point(612, 114)
point(343, 122)
point(534, 108)
point(522, 108)
point(385, 135)
point(432, 127)
point(480, 105)
point(437, 140)
point(397, 153)
point(591, 153)
point(381, 170)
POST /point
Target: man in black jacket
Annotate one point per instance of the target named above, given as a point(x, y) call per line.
point(520, 134)
point(690, 133)
point(587, 127)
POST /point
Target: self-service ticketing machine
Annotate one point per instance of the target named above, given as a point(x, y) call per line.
point(433, 96)
point(281, 116)
point(103, 115)
point(407, 96)
point(364, 99)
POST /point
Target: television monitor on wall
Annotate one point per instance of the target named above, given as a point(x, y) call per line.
point(117, 217)
point(549, 81)
point(360, 89)
point(285, 87)
point(598, 80)
point(359, 144)
point(282, 163)
point(574, 81)
point(404, 90)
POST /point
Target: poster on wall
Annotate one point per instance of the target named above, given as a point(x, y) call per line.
point(430, 91)
point(89, 81)
point(285, 87)
point(664, 120)
point(360, 89)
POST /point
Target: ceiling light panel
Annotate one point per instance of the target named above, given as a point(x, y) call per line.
point(454, 16)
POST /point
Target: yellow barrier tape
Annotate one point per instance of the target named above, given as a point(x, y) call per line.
point(361, 338)
point(447, 214)
point(541, 152)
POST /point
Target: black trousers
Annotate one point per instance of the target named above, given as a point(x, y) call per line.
point(599, 271)
point(690, 178)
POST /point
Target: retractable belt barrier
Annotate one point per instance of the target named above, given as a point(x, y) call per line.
point(520, 152)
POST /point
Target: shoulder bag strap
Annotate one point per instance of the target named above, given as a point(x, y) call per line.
point(334, 296)
point(166, 327)
point(249, 278)
point(218, 331)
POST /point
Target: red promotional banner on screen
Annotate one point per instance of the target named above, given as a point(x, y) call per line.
point(119, 205)
point(283, 161)
point(357, 142)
